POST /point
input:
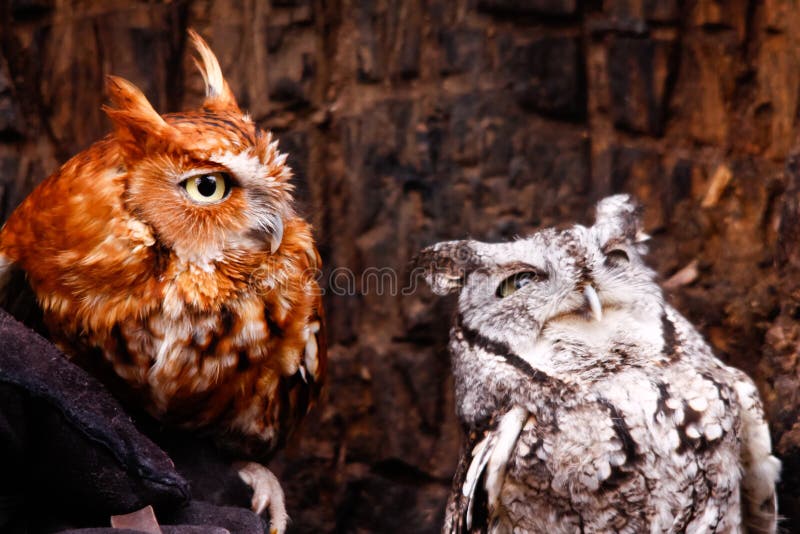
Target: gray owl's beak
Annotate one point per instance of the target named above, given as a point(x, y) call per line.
point(593, 301)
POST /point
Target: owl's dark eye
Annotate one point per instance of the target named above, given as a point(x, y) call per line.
point(208, 188)
point(516, 282)
point(616, 257)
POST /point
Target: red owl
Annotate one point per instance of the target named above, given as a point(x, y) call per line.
point(170, 252)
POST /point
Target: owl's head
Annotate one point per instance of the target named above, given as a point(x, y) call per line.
point(568, 281)
point(208, 181)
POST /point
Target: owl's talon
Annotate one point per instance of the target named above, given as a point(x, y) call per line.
point(267, 493)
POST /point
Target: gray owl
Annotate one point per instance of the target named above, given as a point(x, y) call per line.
point(590, 404)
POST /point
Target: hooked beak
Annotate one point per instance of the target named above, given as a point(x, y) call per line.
point(593, 301)
point(276, 235)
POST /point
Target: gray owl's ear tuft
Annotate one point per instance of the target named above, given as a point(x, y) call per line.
point(445, 265)
point(620, 216)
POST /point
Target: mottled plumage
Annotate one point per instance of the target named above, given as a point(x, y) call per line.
point(590, 404)
point(170, 254)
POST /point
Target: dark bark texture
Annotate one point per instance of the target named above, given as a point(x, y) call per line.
point(413, 121)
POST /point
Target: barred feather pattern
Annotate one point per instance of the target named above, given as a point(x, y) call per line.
point(599, 407)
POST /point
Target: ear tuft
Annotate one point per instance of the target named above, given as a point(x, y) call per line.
point(137, 124)
point(129, 101)
point(445, 265)
point(219, 96)
point(620, 216)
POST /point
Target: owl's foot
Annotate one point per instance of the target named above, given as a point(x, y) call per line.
point(267, 493)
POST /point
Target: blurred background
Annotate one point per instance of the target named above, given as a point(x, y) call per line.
point(413, 121)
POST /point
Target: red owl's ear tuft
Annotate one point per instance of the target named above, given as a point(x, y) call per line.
point(219, 96)
point(139, 127)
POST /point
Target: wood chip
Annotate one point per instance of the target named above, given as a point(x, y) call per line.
point(143, 520)
point(719, 181)
point(684, 277)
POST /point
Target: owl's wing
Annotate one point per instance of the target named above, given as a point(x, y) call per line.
point(300, 391)
point(761, 470)
point(457, 504)
point(315, 355)
point(487, 459)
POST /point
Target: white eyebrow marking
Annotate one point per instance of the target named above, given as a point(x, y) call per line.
point(244, 164)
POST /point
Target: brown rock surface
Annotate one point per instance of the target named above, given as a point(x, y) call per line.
point(409, 122)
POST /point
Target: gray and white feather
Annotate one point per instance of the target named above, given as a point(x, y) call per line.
point(592, 405)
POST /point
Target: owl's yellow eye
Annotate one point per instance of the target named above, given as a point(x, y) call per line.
point(208, 188)
point(516, 282)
